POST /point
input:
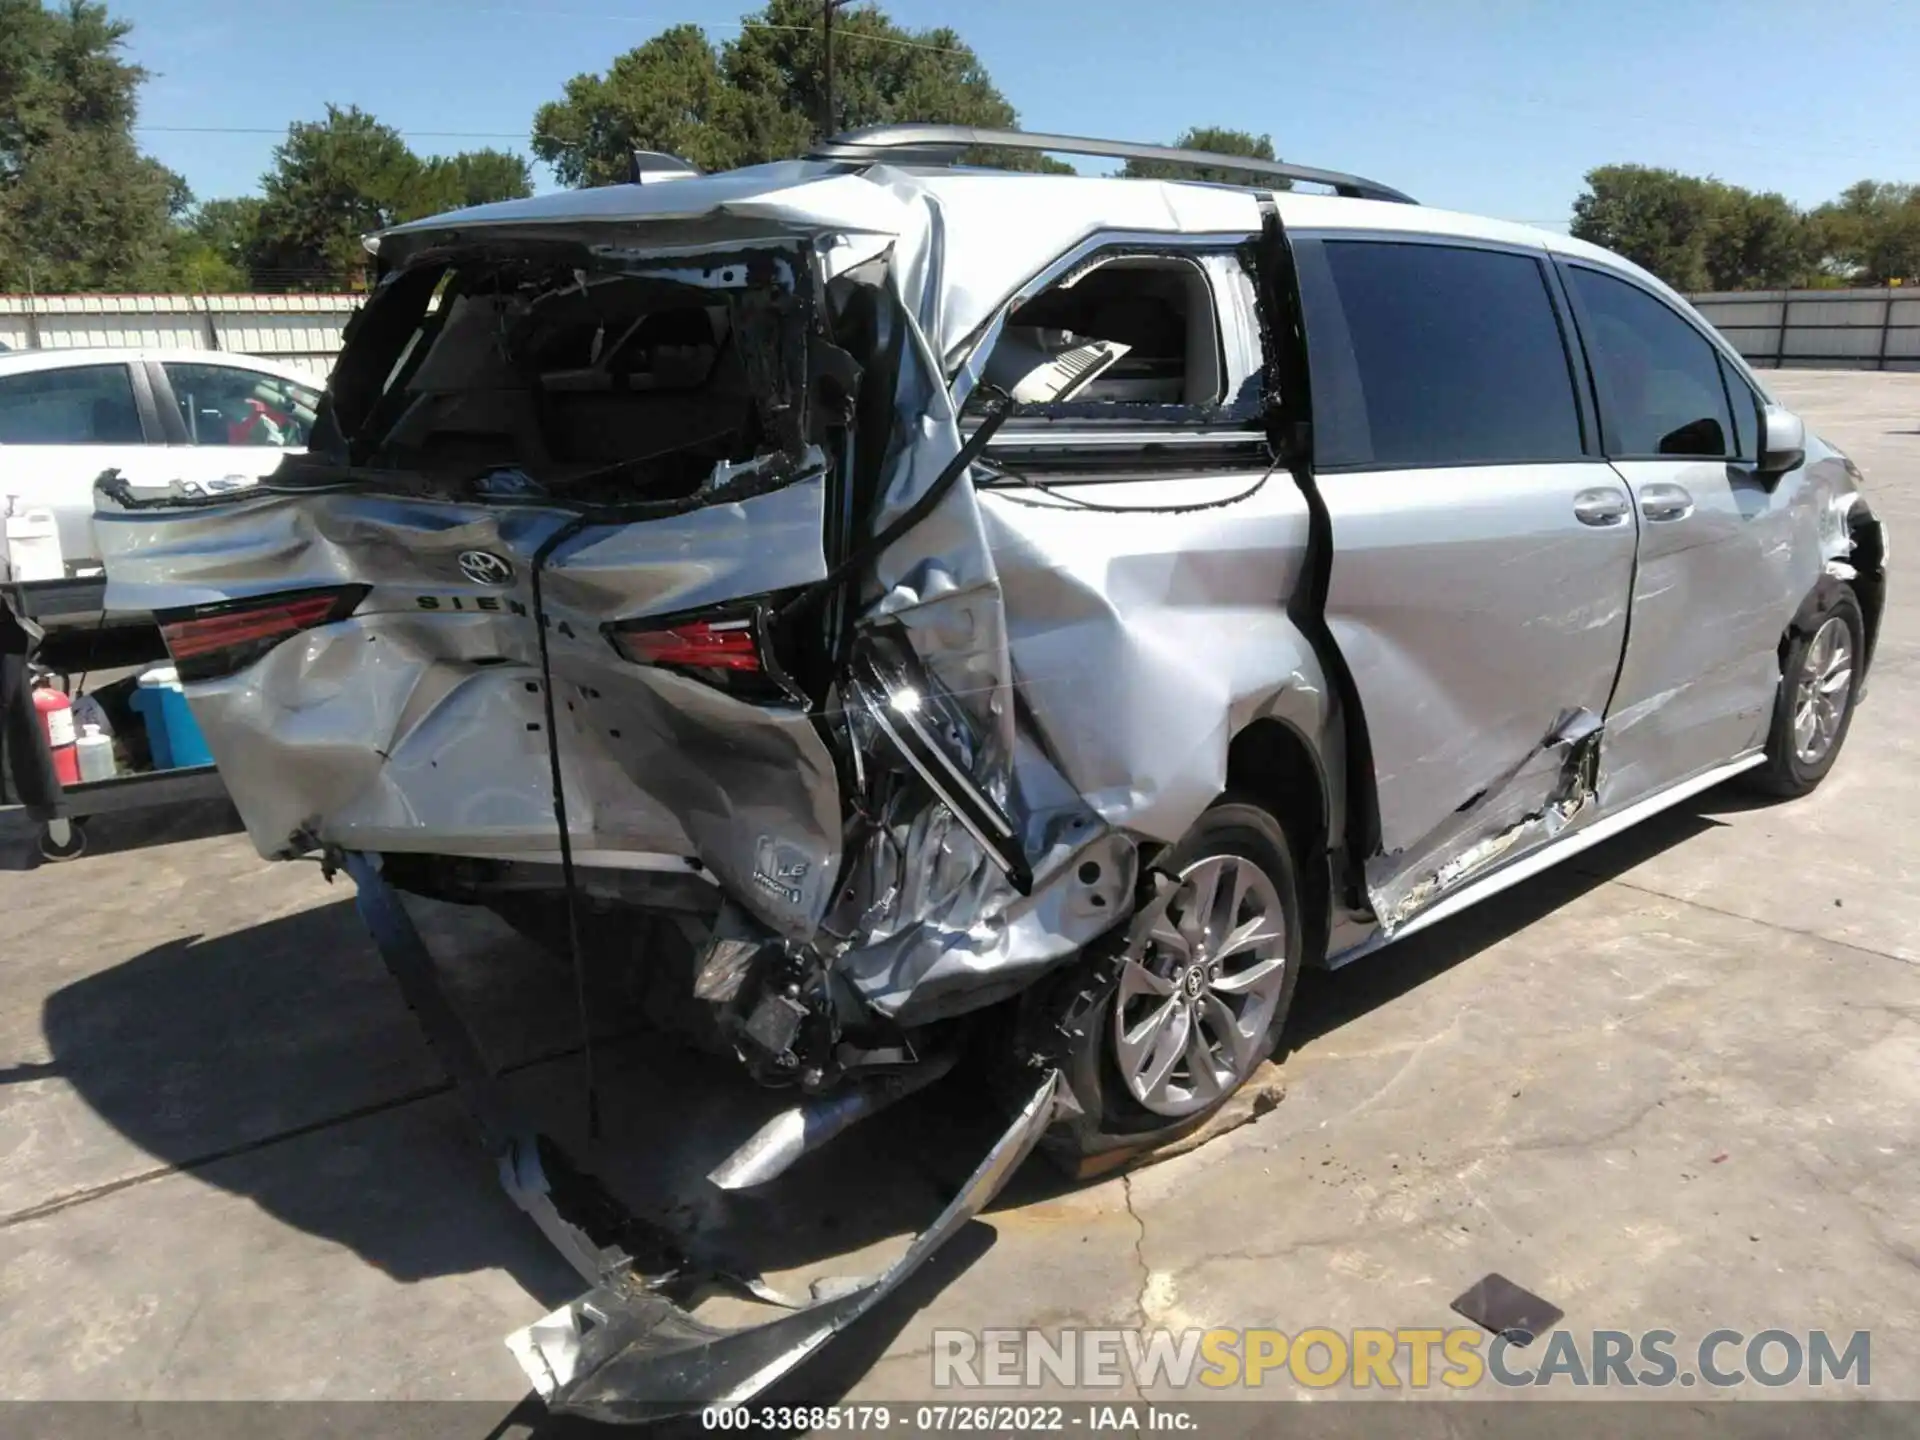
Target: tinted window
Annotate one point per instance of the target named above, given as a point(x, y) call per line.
point(1456, 354)
point(1746, 411)
point(78, 405)
point(1659, 379)
point(224, 405)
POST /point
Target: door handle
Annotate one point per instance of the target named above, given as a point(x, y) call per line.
point(1661, 501)
point(1602, 505)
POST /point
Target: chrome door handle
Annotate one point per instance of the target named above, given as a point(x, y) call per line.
point(1661, 501)
point(1602, 505)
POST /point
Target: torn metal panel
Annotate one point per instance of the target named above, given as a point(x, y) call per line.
point(623, 1354)
point(1503, 823)
point(1474, 610)
point(625, 1350)
point(801, 1129)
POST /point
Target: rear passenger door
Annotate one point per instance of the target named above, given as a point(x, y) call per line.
point(1483, 550)
point(1717, 549)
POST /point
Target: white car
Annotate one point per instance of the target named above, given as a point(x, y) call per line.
point(202, 417)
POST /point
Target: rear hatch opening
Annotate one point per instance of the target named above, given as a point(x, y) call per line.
point(560, 373)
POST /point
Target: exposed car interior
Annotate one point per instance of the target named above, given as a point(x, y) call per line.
point(557, 374)
point(1134, 329)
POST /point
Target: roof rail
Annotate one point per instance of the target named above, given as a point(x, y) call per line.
point(943, 145)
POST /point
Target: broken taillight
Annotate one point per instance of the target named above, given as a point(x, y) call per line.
point(208, 641)
point(729, 650)
point(694, 644)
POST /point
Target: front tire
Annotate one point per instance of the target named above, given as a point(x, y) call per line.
point(1178, 1010)
point(1819, 681)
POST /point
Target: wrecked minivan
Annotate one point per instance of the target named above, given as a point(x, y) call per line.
point(899, 606)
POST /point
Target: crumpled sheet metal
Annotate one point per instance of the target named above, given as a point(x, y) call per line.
point(1109, 711)
point(1538, 798)
point(1103, 697)
point(400, 728)
point(629, 1354)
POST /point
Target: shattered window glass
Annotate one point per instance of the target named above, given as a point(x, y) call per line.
point(1138, 329)
point(533, 371)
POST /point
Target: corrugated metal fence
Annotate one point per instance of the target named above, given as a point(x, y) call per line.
point(302, 330)
point(1819, 329)
point(1824, 329)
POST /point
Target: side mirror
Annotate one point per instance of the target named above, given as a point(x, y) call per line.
point(1783, 441)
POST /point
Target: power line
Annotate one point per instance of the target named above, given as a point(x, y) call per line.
point(282, 130)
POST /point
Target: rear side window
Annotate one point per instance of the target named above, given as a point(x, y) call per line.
point(74, 405)
point(1661, 391)
point(1439, 355)
point(224, 405)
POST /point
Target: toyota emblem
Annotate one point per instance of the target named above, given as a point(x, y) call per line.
point(483, 567)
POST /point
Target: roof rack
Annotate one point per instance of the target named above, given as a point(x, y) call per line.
point(944, 144)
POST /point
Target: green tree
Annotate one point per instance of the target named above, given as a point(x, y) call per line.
point(484, 176)
point(337, 180)
point(332, 182)
point(1659, 219)
point(80, 207)
point(1758, 242)
point(761, 95)
point(1873, 229)
point(1220, 141)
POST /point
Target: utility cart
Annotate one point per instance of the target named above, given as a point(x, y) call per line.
point(82, 640)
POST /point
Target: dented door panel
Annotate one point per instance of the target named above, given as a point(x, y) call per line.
point(1480, 619)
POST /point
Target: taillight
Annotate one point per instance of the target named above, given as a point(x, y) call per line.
point(697, 644)
point(730, 651)
point(208, 641)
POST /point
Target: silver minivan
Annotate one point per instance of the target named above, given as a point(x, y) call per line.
point(886, 603)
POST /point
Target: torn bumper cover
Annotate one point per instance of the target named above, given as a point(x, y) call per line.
point(625, 1353)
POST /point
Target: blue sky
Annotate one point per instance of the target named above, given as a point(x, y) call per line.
point(1493, 106)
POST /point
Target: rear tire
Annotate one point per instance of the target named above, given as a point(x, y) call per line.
point(1163, 1023)
point(1819, 680)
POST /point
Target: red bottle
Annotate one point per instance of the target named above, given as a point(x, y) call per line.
point(56, 724)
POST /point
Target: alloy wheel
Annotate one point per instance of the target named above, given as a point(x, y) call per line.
point(1205, 964)
point(1821, 693)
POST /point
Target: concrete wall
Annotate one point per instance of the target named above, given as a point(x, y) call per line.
point(1819, 329)
point(301, 330)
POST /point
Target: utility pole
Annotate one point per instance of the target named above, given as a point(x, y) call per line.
point(829, 119)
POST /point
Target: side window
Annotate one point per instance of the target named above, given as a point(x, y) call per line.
point(1129, 329)
point(74, 405)
point(225, 405)
point(1440, 355)
point(1661, 391)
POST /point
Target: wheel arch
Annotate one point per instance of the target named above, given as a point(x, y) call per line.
point(1272, 762)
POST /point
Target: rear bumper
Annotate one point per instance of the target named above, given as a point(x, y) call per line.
point(398, 733)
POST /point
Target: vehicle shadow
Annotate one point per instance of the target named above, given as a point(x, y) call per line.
point(277, 1062)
